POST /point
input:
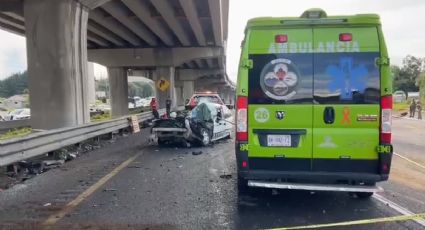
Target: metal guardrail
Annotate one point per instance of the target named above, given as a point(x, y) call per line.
point(6, 125)
point(36, 144)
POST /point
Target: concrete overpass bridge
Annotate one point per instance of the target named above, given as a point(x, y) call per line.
point(180, 41)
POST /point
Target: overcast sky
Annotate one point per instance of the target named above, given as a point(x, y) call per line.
point(403, 24)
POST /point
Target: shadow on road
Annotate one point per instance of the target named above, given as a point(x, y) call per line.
point(265, 208)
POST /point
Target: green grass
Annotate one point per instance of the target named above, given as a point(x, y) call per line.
point(17, 132)
point(100, 117)
point(400, 106)
point(99, 102)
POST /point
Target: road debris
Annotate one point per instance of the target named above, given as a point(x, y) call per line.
point(53, 162)
point(226, 176)
point(47, 204)
point(24, 170)
point(196, 153)
point(134, 167)
point(110, 190)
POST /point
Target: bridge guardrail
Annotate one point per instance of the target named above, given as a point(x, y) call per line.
point(6, 125)
point(36, 144)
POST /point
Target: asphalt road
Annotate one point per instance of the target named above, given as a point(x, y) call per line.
point(131, 185)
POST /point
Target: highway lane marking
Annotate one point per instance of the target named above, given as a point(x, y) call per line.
point(357, 222)
point(409, 160)
point(52, 219)
point(406, 215)
point(398, 208)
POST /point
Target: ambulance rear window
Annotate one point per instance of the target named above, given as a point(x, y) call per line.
point(346, 78)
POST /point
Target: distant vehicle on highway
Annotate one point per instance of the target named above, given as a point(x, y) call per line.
point(399, 96)
point(137, 102)
point(197, 97)
point(18, 114)
point(314, 104)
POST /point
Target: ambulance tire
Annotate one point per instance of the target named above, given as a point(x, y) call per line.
point(364, 195)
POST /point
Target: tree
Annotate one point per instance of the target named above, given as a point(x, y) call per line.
point(141, 89)
point(421, 84)
point(17, 83)
point(102, 85)
point(406, 77)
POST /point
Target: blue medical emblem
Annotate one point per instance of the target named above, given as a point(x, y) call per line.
point(347, 78)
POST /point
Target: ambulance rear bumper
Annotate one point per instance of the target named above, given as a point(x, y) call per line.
point(315, 187)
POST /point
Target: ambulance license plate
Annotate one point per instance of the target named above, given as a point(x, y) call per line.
point(279, 140)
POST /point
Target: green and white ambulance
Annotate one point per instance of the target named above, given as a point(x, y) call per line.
point(314, 104)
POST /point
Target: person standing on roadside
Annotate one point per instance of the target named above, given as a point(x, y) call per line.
point(412, 108)
point(419, 107)
point(154, 108)
point(168, 106)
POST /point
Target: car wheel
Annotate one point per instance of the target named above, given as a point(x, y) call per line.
point(161, 142)
point(206, 139)
point(187, 144)
point(364, 195)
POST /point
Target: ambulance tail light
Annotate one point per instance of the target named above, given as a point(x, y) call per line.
point(281, 38)
point(242, 119)
point(345, 37)
point(386, 119)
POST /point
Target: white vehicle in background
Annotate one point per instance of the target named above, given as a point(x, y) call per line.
point(146, 101)
point(399, 96)
point(18, 114)
point(131, 105)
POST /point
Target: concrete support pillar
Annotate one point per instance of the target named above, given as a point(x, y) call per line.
point(188, 89)
point(57, 62)
point(165, 73)
point(118, 89)
point(179, 95)
point(91, 88)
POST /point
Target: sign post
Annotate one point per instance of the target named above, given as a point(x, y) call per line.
point(134, 123)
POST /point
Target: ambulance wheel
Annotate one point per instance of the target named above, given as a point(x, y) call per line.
point(206, 139)
point(364, 195)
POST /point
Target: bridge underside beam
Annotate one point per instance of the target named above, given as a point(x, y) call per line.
point(151, 57)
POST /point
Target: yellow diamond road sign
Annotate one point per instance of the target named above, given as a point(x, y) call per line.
point(163, 84)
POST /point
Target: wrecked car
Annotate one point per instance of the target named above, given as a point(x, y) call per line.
point(206, 123)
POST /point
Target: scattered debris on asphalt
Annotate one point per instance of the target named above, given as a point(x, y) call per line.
point(110, 190)
point(47, 204)
point(134, 167)
point(196, 153)
point(24, 170)
point(226, 176)
point(53, 162)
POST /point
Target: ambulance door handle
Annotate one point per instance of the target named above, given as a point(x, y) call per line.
point(329, 115)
